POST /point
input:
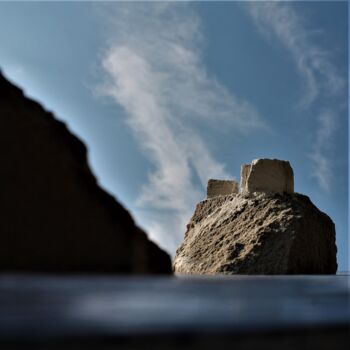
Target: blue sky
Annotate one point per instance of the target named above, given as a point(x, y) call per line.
point(167, 95)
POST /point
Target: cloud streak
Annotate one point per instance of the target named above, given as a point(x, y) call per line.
point(321, 163)
point(154, 69)
point(321, 79)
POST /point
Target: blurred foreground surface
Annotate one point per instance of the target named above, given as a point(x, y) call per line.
point(108, 312)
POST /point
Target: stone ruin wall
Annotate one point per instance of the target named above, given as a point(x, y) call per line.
point(262, 175)
point(221, 187)
point(267, 175)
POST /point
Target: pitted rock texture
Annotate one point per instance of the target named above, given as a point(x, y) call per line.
point(54, 216)
point(258, 233)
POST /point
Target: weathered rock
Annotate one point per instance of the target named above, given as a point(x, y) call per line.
point(267, 175)
point(221, 187)
point(258, 233)
point(54, 216)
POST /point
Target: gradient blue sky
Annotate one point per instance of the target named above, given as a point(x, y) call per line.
point(167, 95)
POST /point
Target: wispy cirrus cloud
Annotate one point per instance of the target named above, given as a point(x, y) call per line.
point(322, 141)
point(281, 20)
point(321, 78)
point(155, 72)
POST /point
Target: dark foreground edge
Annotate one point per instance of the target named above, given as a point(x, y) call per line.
point(260, 312)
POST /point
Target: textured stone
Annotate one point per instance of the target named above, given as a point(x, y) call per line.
point(245, 168)
point(54, 216)
point(221, 187)
point(267, 175)
point(258, 233)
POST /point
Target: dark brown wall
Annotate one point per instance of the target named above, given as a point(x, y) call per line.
point(54, 216)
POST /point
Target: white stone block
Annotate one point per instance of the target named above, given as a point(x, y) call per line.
point(267, 175)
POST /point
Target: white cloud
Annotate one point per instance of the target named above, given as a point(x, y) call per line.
point(155, 72)
point(321, 163)
point(321, 79)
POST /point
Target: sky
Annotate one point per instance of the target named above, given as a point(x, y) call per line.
point(169, 94)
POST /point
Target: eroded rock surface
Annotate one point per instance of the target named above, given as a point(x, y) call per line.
point(258, 233)
point(54, 216)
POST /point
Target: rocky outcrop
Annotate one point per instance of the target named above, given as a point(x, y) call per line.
point(263, 232)
point(54, 216)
